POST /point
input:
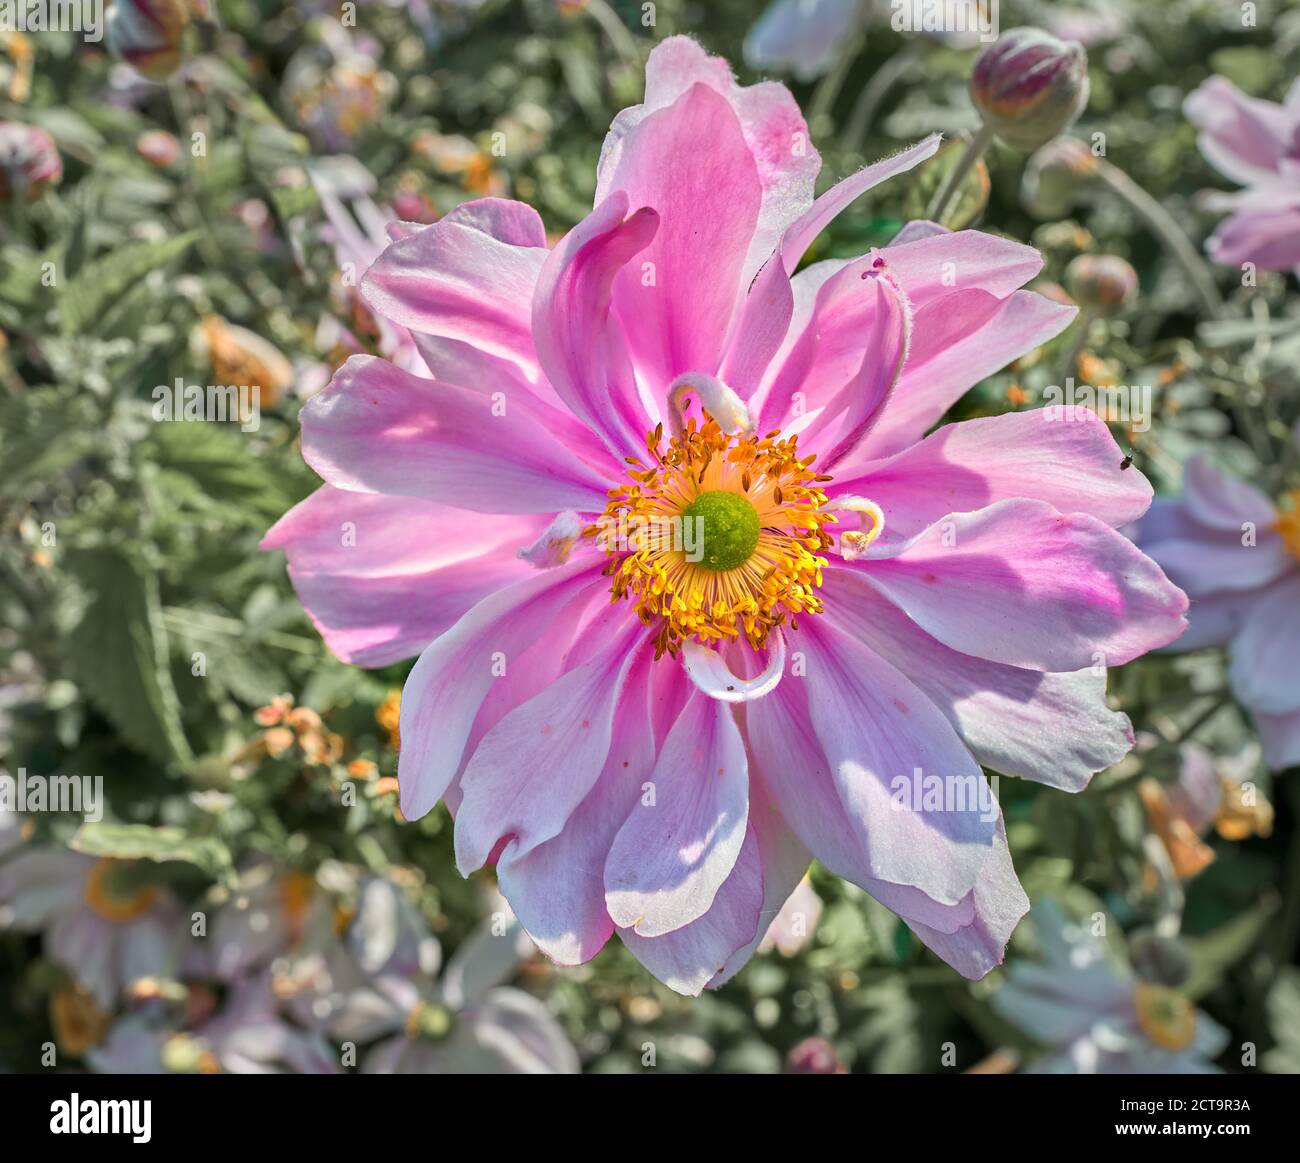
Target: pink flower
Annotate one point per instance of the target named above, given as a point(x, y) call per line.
point(148, 34)
point(1256, 144)
point(1238, 558)
point(901, 610)
point(29, 162)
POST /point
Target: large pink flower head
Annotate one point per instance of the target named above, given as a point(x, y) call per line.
point(1238, 557)
point(816, 613)
point(1257, 145)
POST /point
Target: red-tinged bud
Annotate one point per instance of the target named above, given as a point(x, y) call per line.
point(29, 162)
point(1029, 86)
point(158, 147)
point(814, 1056)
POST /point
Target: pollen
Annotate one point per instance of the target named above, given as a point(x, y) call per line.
point(1287, 524)
point(717, 536)
point(1164, 1015)
point(109, 891)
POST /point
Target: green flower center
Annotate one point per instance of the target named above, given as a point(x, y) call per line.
point(428, 1020)
point(726, 529)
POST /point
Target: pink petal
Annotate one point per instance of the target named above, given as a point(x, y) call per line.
point(1072, 465)
point(1264, 672)
point(580, 350)
point(468, 277)
point(690, 957)
point(1267, 236)
point(378, 429)
point(846, 361)
point(1218, 501)
point(1022, 584)
point(376, 592)
point(957, 341)
point(1052, 728)
point(769, 302)
point(999, 902)
point(804, 37)
point(454, 675)
point(671, 856)
point(1280, 738)
point(875, 728)
point(676, 302)
point(1242, 137)
point(512, 787)
point(942, 263)
point(774, 130)
point(795, 774)
point(784, 861)
point(556, 889)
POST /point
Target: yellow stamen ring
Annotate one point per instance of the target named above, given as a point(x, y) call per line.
point(111, 897)
point(1164, 1015)
point(754, 582)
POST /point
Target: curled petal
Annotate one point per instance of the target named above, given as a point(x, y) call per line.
point(711, 674)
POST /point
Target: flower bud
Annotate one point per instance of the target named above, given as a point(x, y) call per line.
point(814, 1056)
point(1053, 175)
point(1101, 283)
point(158, 147)
point(1160, 960)
point(1029, 86)
point(147, 33)
point(29, 161)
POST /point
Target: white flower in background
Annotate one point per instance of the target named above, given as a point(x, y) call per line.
point(1095, 1015)
point(381, 986)
point(101, 919)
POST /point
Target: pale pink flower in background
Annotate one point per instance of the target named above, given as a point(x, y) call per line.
point(1257, 145)
point(904, 609)
point(1238, 558)
point(99, 920)
point(385, 987)
point(357, 229)
point(1094, 1015)
point(247, 1035)
point(805, 37)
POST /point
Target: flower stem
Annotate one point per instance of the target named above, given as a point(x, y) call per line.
point(874, 93)
point(828, 88)
point(622, 40)
point(1166, 229)
point(957, 174)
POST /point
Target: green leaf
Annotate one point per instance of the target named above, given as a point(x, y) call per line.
point(100, 284)
point(218, 460)
point(142, 842)
point(1284, 1020)
point(1214, 953)
point(120, 653)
